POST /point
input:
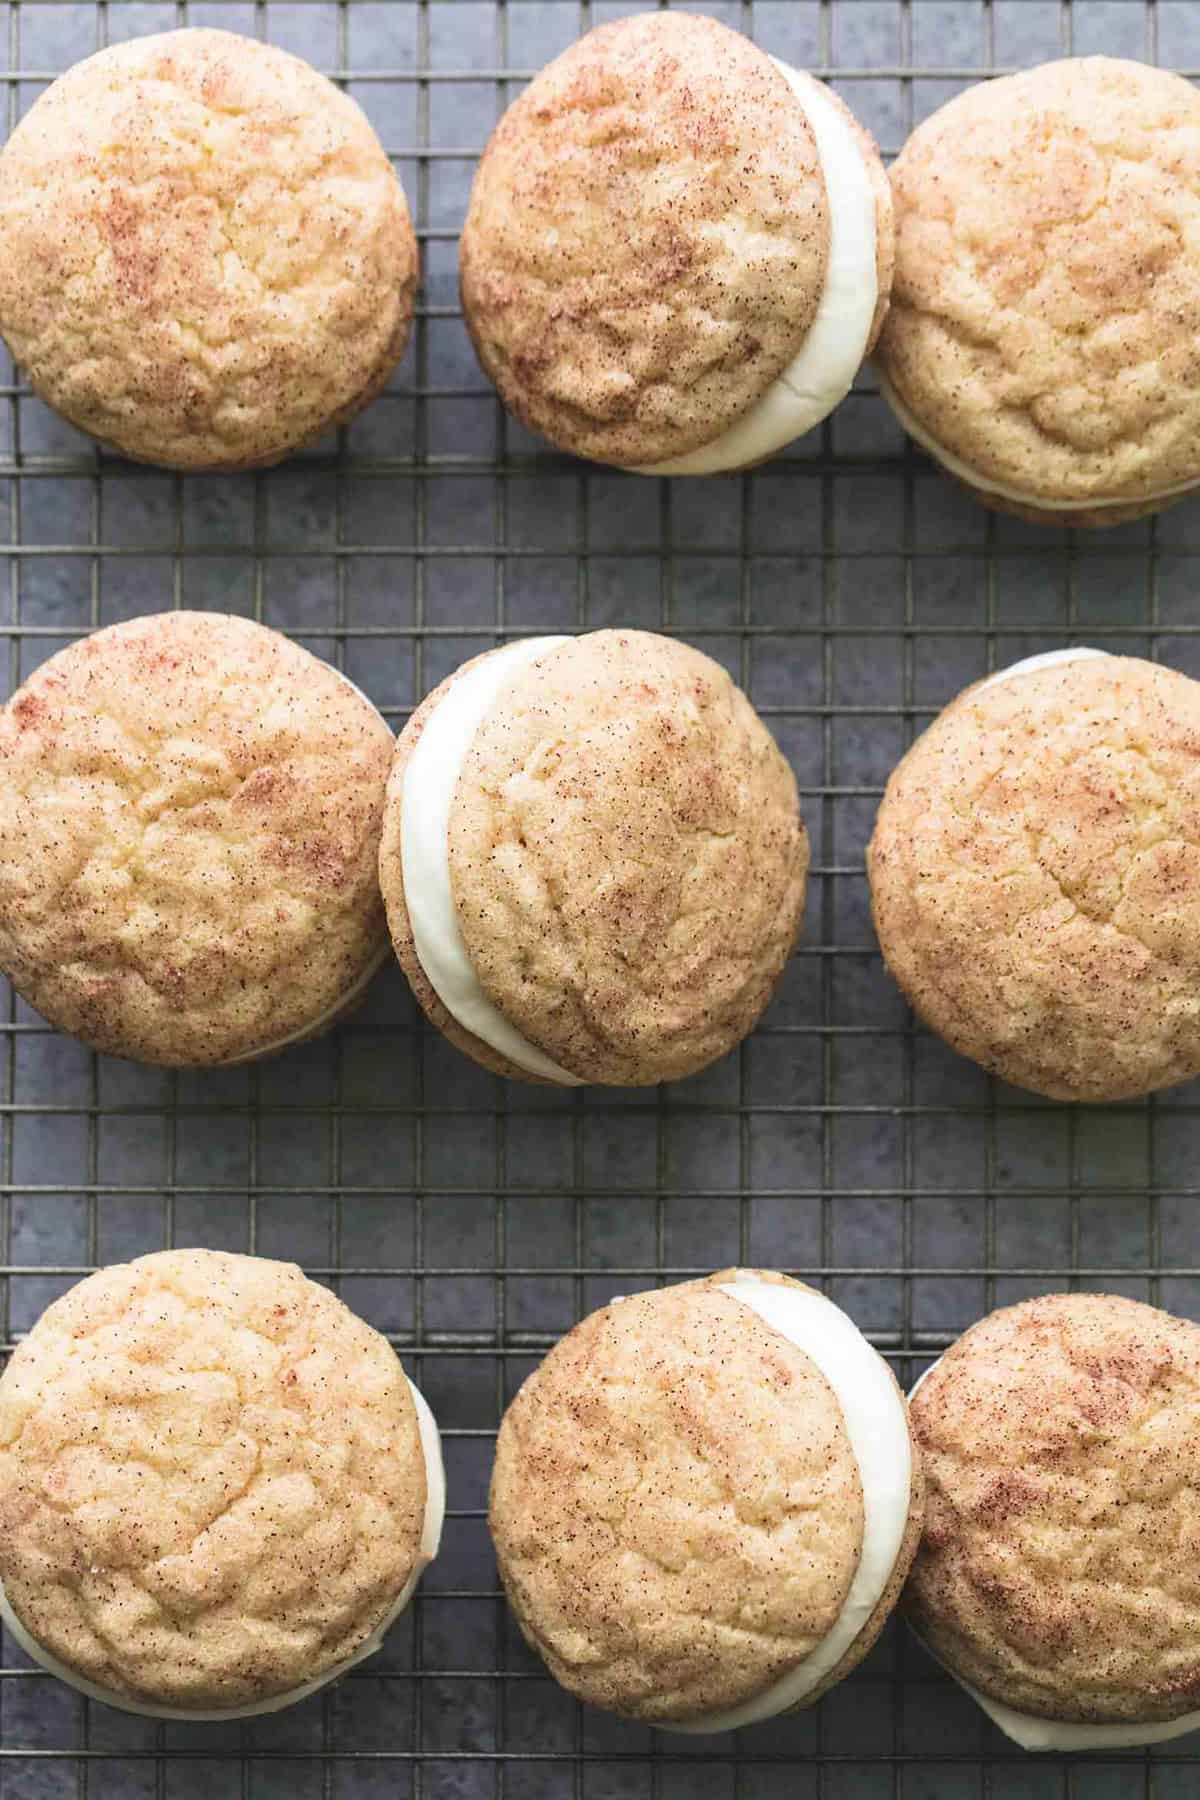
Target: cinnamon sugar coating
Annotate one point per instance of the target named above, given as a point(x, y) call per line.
point(190, 809)
point(1045, 316)
point(675, 1504)
point(212, 1485)
point(647, 239)
point(205, 258)
point(627, 857)
point(1035, 877)
point(676, 1507)
point(1057, 1569)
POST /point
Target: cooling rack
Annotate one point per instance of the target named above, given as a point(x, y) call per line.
point(852, 591)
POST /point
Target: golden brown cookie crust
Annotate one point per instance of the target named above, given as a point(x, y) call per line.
point(190, 809)
point(627, 858)
point(1035, 878)
point(647, 239)
point(1055, 1574)
point(675, 1505)
point(212, 1486)
point(205, 258)
point(1046, 304)
point(619, 667)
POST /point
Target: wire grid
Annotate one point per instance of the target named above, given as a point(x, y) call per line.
point(851, 591)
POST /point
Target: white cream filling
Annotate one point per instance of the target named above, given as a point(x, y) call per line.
point(877, 1424)
point(1063, 1734)
point(431, 1537)
point(822, 372)
point(428, 795)
point(1046, 659)
point(353, 993)
point(1033, 1733)
point(955, 466)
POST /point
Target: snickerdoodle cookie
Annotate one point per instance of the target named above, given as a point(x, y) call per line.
point(705, 1502)
point(190, 811)
point(593, 859)
point(1044, 338)
point(1035, 876)
point(205, 258)
point(1056, 1575)
point(678, 250)
point(217, 1486)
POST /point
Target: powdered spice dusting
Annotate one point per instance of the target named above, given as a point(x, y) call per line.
point(190, 809)
point(205, 257)
point(647, 239)
point(1046, 307)
point(627, 859)
point(212, 1486)
point(1035, 877)
point(675, 1504)
point(1057, 1571)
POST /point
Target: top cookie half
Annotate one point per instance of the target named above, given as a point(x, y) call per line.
point(1045, 320)
point(1035, 877)
point(190, 808)
point(212, 1481)
point(678, 1510)
point(625, 859)
point(648, 239)
point(1056, 1572)
point(205, 258)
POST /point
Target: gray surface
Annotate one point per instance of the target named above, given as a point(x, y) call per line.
point(853, 591)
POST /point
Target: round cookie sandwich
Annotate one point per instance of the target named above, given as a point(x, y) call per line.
point(678, 250)
point(1035, 875)
point(205, 257)
point(1041, 343)
point(218, 1488)
point(190, 811)
point(593, 860)
point(705, 1502)
point(1054, 1578)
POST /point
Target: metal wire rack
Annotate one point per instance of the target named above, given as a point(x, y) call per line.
point(852, 591)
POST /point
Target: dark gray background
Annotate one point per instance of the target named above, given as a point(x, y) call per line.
point(852, 591)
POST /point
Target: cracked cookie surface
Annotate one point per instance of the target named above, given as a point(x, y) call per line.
point(212, 1485)
point(1057, 1569)
point(675, 1504)
point(647, 239)
point(1035, 877)
point(627, 858)
point(1045, 309)
point(190, 809)
point(205, 257)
